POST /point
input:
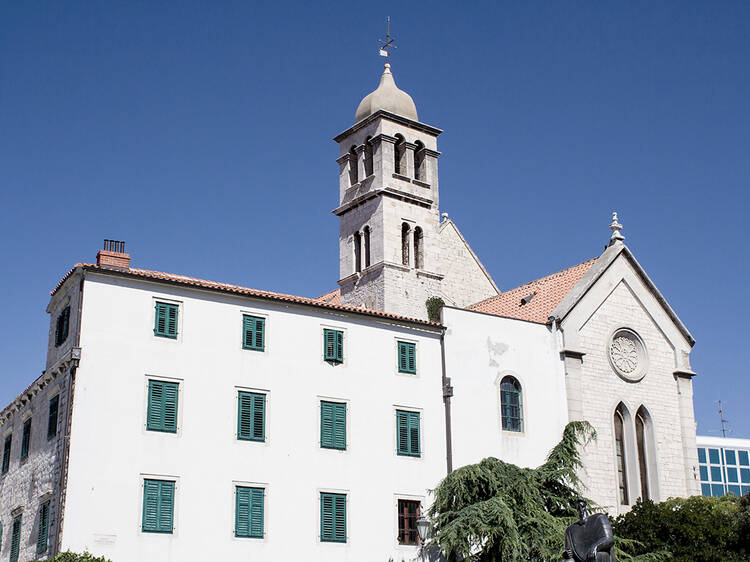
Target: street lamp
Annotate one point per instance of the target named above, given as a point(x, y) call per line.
point(422, 525)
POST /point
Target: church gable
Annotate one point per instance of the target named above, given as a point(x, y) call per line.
point(465, 279)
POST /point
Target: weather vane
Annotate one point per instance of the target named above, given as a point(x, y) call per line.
point(386, 45)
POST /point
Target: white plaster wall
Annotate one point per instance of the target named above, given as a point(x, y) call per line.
point(620, 299)
point(480, 349)
point(111, 451)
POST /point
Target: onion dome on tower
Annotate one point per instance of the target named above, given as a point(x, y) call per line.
point(387, 97)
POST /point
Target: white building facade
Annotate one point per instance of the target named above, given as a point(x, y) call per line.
point(182, 419)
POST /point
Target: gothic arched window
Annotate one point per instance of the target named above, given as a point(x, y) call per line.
point(643, 439)
point(368, 157)
point(622, 474)
point(398, 154)
point(418, 248)
point(510, 404)
point(405, 244)
point(419, 161)
point(353, 166)
point(357, 252)
point(366, 233)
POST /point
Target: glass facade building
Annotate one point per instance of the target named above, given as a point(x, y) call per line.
point(724, 465)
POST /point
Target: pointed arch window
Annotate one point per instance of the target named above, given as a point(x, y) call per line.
point(368, 157)
point(399, 150)
point(366, 236)
point(357, 252)
point(418, 248)
point(405, 244)
point(510, 404)
point(644, 443)
point(621, 459)
point(419, 161)
point(353, 166)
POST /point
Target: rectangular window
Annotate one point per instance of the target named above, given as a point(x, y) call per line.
point(162, 406)
point(713, 456)
point(251, 416)
point(745, 475)
point(41, 540)
point(15, 541)
point(333, 344)
point(332, 425)
point(706, 489)
point(253, 333)
point(407, 433)
point(248, 512)
point(407, 357)
point(158, 506)
point(165, 322)
point(54, 405)
point(332, 517)
point(6, 453)
point(744, 458)
point(732, 474)
point(62, 326)
point(704, 473)
point(26, 440)
point(717, 490)
point(702, 455)
point(408, 513)
point(716, 474)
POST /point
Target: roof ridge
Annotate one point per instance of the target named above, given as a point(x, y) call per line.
point(550, 276)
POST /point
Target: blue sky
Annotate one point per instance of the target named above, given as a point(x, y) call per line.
point(200, 133)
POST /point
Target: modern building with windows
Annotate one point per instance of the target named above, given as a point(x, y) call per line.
point(724, 465)
point(182, 419)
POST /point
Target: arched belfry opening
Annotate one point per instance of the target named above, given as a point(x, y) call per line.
point(418, 248)
point(405, 244)
point(357, 252)
point(419, 161)
point(366, 241)
point(399, 154)
point(368, 157)
point(353, 166)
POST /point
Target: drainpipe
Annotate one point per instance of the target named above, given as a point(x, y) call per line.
point(447, 393)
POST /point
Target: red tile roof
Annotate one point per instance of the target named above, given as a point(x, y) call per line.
point(238, 290)
point(333, 297)
point(549, 291)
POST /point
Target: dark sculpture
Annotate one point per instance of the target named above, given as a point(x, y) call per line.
point(590, 538)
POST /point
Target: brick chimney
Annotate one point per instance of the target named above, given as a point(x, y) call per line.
point(113, 255)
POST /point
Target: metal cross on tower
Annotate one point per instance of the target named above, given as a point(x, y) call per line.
point(387, 44)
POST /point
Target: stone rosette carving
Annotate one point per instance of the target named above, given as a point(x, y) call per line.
point(627, 355)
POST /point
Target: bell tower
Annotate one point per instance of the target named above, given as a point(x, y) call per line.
point(388, 205)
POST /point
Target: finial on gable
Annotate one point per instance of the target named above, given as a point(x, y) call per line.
point(615, 227)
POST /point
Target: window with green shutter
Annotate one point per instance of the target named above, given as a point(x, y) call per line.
point(165, 320)
point(407, 357)
point(15, 540)
point(251, 416)
point(162, 406)
point(332, 517)
point(54, 405)
point(333, 346)
point(158, 506)
point(62, 325)
point(407, 433)
point(6, 453)
point(26, 439)
point(248, 512)
point(333, 425)
point(253, 333)
point(43, 533)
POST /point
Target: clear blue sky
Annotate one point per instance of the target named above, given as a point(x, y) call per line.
point(200, 133)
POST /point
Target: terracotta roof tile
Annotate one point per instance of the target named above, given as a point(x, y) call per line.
point(547, 293)
point(333, 297)
point(236, 289)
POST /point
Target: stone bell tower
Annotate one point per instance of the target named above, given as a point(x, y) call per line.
point(388, 205)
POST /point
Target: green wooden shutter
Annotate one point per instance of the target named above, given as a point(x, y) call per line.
point(162, 406)
point(251, 416)
point(26, 440)
point(165, 321)
point(1, 536)
point(333, 425)
point(41, 540)
point(15, 542)
point(158, 506)
point(253, 333)
point(332, 517)
point(248, 515)
point(6, 453)
point(407, 359)
point(333, 345)
point(65, 324)
point(407, 433)
point(54, 405)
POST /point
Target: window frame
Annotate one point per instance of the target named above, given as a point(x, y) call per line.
point(251, 393)
point(15, 540)
point(42, 540)
point(250, 534)
point(520, 394)
point(255, 317)
point(7, 452)
point(26, 438)
point(334, 531)
point(337, 404)
point(408, 344)
point(337, 355)
point(410, 414)
point(417, 501)
point(162, 480)
point(52, 426)
point(177, 306)
point(62, 326)
point(178, 400)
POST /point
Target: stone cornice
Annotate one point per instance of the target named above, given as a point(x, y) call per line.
point(684, 373)
point(391, 192)
point(568, 353)
point(430, 152)
point(391, 117)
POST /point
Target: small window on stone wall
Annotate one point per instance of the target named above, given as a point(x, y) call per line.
point(419, 161)
point(357, 252)
point(405, 244)
point(353, 166)
point(368, 157)
point(399, 150)
point(366, 236)
point(418, 248)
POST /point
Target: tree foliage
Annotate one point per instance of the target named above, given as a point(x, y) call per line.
point(434, 306)
point(68, 556)
point(697, 528)
point(495, 510)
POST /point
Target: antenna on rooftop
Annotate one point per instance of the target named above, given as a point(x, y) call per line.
point(387, 44)
point(724, 421)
